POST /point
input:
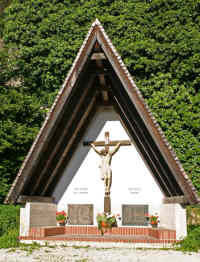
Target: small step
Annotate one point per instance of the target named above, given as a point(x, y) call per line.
point(117, 237)
point(102, 238)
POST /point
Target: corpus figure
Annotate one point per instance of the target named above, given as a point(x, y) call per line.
point(105, 166)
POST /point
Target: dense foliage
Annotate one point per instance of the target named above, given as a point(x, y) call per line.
point(20, 118)
point(3, 5)
point(159, 41)
point(9, 226)
point(9, 218)
point(192, 241)
point(193, 215)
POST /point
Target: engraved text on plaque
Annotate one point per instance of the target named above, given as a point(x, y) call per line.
point(80, 214)
point(134, 215)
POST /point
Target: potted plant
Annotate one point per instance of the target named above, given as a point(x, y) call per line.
point(61, 217)
point(105, 221)
point(153, 219)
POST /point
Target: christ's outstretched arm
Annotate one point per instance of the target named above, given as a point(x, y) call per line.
point(95, 149)
point(112, 152)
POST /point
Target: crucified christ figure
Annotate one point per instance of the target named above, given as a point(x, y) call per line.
point(105, 166)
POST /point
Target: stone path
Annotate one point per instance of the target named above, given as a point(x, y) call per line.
point(91, 254)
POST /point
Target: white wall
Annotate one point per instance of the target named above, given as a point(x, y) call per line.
point(173, 216)
point(132, 181)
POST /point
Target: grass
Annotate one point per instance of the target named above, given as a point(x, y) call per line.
point(191, 243)
point(9, 218)
point(78, 247)
point(29, 248)
point(82, 260)
point(105, 248)
point(10, 239)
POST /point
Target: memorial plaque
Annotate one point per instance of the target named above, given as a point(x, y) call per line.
point(134, 215)
point(80, 214)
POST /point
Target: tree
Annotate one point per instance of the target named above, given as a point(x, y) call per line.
point(20, 118)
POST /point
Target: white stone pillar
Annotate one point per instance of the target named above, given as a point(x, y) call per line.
point(24, 221)
point(173, 216)
point(36, 214)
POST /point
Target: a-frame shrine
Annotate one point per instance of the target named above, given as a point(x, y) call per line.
point(98, 87)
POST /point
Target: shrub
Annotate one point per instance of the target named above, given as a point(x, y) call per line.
point(193, 215)
point(10, 239)
point(9, 218)
point(192, 241)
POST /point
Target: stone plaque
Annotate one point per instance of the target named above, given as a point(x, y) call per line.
point(134, 215)
point(41, 214)
point(80, 214)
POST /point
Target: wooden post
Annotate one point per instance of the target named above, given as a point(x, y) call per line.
point(107, 204)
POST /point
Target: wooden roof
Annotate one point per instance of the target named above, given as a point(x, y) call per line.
point(98, 77)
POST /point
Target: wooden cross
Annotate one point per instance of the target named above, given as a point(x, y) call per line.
point(106, 161)
point(107, 142)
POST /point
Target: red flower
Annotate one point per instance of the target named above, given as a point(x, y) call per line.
point(104, 224)
point(61, 214)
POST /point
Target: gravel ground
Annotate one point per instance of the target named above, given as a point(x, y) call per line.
point(89, 254)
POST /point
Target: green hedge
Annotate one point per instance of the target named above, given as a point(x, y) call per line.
point(193, 215)
point(192, 241)
point(9, 218)
point(10, 239)
point(9, 226)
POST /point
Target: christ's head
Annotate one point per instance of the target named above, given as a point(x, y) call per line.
point(105, 151)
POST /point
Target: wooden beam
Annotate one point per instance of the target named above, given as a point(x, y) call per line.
point(23, 199)
point(60, 140)
point(112, 143)
point(105, 96)
point(99, 71)
point(85, 115)
point(98, 56)
point(175, 200)
point(71, 151)
point(146, 141)
point(100, 88)
point(102, 79)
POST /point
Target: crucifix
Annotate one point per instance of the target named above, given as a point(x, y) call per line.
point(106, 157)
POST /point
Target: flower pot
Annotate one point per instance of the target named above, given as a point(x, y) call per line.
point(154, 225)
point(104, 227)
point(61, 222)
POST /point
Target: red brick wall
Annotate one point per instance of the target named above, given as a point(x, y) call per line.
point(48, 231)
point(158, 233)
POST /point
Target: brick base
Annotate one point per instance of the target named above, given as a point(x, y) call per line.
point(91, 233)
point(46, 231)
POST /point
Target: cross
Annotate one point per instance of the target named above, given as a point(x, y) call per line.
point(106, 157)
point(107, 142)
